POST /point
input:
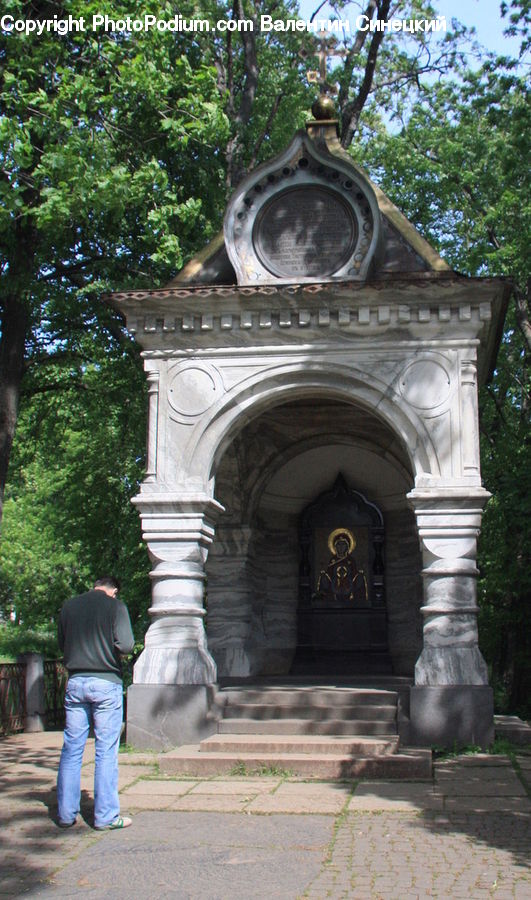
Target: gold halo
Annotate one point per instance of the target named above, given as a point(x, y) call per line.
point(348, 534)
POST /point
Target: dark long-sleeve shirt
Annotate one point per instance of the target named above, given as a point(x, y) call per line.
point(94, 630)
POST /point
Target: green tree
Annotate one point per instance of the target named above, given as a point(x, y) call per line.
point(105, 143)
point(116, 149)
point(67, 511)
point(459, 169)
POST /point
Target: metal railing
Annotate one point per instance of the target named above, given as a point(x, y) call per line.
point(12, 697)
point(32, 694)
point(55, 678)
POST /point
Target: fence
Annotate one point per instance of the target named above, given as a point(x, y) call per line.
point(55, 678)
point(12, 697)
point(32, 693)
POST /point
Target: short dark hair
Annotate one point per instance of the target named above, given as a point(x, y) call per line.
point(107, 581)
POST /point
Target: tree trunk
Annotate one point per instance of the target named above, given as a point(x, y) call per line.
point(14, 326)
point(521, 299)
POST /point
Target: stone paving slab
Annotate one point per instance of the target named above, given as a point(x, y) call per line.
point(488, 804)
point(199, 855)
point(126, 775)
point(391, 855)
point(374, 796)
point(131, 804)
point(157, 789)
point(210, 803)
point(470, 773)
point(249, 786)
point(208, 838)
point(318, 790)
point(32, 846)
point(322, 798)
point(509, 787)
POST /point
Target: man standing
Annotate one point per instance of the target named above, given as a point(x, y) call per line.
point(94, 632)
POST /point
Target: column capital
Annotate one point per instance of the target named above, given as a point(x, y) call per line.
point(446, 498)
point(152, 501)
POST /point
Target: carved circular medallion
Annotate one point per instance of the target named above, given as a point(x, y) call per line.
point(425, 384)
point(305, 231)
point(193, 389)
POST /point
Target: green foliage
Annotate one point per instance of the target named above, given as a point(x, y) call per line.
point(458, 171)
point(77, 462)
point(15, 641)
point(110, 177)
point(113, 166)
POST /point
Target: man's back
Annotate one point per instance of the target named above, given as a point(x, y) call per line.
point(94, 630)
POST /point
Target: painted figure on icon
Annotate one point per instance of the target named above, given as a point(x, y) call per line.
point(342, 582)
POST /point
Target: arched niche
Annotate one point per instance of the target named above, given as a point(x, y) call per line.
point(272, 470)
point(341, 616)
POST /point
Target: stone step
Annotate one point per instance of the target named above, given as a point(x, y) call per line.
point(308, 711)
point(334, 745)
point(309, 696)
point(305, 726)
point(410, 765)
point(312, 682)
point(513, 729)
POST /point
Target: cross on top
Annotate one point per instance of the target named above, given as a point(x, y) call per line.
point(328, 47)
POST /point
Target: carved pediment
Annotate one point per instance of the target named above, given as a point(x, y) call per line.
point(304, 216)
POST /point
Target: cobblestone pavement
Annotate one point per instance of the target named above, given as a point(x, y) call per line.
point(403, 855)
point(466, 833)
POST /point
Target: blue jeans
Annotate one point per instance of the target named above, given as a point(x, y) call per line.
point(90, 700)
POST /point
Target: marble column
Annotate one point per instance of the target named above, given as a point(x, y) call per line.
point(178, 534)
point(171, 696)
point(451, 699)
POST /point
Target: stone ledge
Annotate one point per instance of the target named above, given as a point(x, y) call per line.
point(189, 760)
point(513, 729)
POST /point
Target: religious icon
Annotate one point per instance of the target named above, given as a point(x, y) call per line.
point(342, 582)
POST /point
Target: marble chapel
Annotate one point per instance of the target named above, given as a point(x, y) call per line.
point(313, 498)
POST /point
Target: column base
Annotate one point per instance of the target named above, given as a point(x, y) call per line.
point(451, 666)
point(175, 665)
point(451, 716)
point(162, 716)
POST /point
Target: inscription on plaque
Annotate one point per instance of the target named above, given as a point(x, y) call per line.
point(306, 231)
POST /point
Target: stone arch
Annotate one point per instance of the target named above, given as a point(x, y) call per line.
point(280, 384)
point(264, 474)
point(252, 628)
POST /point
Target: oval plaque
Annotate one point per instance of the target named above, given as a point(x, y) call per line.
point(192, 390)
point(425, 384)
point(306, 231)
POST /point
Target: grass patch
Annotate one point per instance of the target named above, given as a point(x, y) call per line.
point(499, 747)
point(264, 771)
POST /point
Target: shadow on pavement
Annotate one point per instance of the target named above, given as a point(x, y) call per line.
point(31, 843)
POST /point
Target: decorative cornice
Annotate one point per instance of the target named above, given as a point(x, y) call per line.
point(393, 283)
point(417, 306)
point(322, 317)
